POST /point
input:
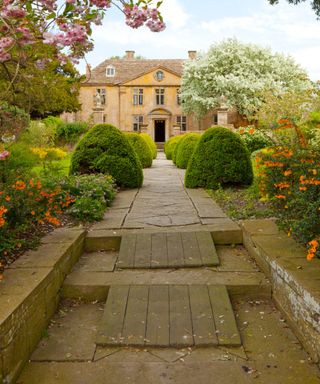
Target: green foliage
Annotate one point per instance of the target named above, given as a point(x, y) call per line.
point(141, 147)
point(52, 121)
point(254, 139)
point(19, 163)
point(28, 203)
point(289, 178)
point(13, 120)
point(104, 149)
point(185, 149)
point(175, 149)
point(92, 195)
point(220, 158)
point(242, 73)
point(69, 133)
point(39, 134)
point(151, 143)
point(169, 146)
point(40, 91)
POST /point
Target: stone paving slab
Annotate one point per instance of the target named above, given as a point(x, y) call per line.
point(168, 316)
point(167, 250)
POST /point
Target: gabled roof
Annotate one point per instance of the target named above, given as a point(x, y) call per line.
point(127, 70)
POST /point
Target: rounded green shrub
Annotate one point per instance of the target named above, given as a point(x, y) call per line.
point(185, 148)
point(254, 139)
point(175, 149)
point(170, 145)
point(141, 147)
point(104, 149)
point(219, 158)
point(151, 143)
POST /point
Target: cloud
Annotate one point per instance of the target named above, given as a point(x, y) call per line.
point(174, 14)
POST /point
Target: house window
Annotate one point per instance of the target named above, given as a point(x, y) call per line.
point(215, 119)
point(178, 96)
point(160, 96)
point(110, 71)
point(137, 122)
point(100, 97)
point(137, 96)
point(182, 122)
point(159, 75)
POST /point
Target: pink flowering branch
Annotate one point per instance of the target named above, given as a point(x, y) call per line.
point(67, 28)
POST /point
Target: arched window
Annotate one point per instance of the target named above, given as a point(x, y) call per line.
point(159, 75)
point(110, 71)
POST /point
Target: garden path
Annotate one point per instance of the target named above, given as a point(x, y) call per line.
point(167, 286)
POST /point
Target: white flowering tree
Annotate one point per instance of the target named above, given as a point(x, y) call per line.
point(243, 73)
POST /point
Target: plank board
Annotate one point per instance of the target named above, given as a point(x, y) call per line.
point(181, 333)
point(174, 316)
point(207, 249)
point(142, 256)
point(134, 327)
point(167, 250)
point(225, 321)
point(159, 251)
point(191, 251)
point(110, 330)
point(158, 317)
point(204, 331)
point(127, 251)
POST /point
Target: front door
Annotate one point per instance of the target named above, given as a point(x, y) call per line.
point(159, 131)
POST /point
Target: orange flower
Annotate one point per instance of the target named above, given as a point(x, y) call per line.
point(19, 185)
point(280, 197)
point(7, 198)
point(251, 131)
point(33, 213)
point(287, 173)
point(241, 131)
point(303, 188)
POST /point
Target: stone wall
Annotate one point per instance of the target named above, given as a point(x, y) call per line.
point(295, 281)
point(30, 296)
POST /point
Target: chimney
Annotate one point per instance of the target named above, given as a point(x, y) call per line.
point(129, 55)
point(88, 71)
point(192, 55)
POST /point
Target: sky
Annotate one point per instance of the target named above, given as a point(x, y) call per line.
point(197, 24)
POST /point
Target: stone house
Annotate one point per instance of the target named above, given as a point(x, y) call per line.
point(142, 95)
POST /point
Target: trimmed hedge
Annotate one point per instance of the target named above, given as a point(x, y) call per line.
point(185, 149)
point(151, 143)
point(219, 158)
point(104, 149)
point(141, 147)
point(170, 145)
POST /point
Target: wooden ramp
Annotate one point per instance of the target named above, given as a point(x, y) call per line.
point(167, 250)
point(168, 316)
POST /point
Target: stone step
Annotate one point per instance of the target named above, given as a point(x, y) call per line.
point(167, 250)
point(168, 316)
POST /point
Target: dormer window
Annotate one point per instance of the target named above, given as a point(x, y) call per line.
point(110, 71)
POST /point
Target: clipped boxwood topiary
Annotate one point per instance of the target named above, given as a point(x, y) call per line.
point(141, 147)
point(151, 143)
point(104, 149)
point(176, 147)
point(220, 157)
point(169, 146)
point(185, 148)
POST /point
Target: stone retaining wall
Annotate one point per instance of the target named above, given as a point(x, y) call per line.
point(295, 281)
point(29, 296)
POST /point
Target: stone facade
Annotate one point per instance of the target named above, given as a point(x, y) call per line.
point(141, 95)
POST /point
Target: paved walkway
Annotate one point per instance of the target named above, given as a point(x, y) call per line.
point(156, 321)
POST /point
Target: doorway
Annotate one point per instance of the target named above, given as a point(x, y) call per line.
point(159, 131)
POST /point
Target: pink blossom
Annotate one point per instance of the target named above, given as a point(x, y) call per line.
point(101, 3)
point(6, 42)
point(4, 56)
point(4, 155)
point(12, 11)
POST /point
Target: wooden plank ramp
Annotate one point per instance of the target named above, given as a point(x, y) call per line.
point(167, 250)
point(174, 316)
